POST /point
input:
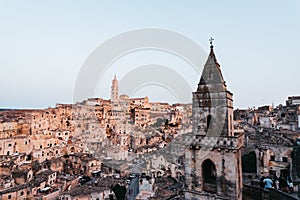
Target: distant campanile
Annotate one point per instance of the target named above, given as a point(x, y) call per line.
point(114, 90)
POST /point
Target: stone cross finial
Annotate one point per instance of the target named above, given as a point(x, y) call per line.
point(211, 42)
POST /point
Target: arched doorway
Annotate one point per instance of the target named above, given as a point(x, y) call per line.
point(249, 163)
point(209, 175)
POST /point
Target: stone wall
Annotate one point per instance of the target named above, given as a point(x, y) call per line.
point(256, 193)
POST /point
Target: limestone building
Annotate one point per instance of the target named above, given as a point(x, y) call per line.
point(213, 164)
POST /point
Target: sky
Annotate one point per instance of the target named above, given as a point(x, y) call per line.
point(44, 44)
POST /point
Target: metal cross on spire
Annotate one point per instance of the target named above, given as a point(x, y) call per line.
point(211, 42)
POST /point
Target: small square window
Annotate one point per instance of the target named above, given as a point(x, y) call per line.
point(272, 158)
point(284, 159)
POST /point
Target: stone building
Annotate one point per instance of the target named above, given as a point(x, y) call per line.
point(213, 161)
point(293, 112)
point(87, 192)
point(140, 116)
point(271, 154)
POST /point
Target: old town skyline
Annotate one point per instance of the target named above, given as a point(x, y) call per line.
point(132, 148)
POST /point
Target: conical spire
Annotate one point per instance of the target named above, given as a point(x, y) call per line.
point(211, 74)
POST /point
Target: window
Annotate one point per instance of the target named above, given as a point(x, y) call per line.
point(272, 158)
point(284, 159)
point(9, 196)
point(22, 193)
point(9, 145)
point(208, 121)
point(41, 146)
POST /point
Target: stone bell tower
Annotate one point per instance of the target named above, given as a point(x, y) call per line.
point(213, 161)
point(114, 90)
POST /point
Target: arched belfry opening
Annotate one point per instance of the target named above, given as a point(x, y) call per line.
point(209, 175)
point(208, 121)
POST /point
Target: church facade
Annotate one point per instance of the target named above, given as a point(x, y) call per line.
point(213, 166)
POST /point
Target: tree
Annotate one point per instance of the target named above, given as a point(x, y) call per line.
point(120, 192)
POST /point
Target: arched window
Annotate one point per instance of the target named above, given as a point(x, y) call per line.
point(209, 175)
point(208, 121)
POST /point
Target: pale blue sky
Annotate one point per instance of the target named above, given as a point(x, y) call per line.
point(43, 44)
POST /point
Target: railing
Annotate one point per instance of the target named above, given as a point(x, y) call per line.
point(257, 193)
